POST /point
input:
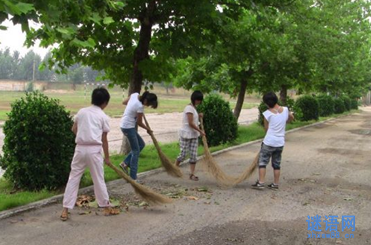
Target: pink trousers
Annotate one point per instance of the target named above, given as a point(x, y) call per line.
point(91, 157)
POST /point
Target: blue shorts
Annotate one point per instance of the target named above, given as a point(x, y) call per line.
point(268, 152)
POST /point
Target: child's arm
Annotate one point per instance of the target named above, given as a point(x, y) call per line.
point(140, 122)
point(74, 128)
point(105, 147)
point(291, 117)
point(266, 125)
point(192, 125)
point(125, 101)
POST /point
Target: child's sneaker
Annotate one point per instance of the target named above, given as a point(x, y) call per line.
point(258, 185)
point(273, 186)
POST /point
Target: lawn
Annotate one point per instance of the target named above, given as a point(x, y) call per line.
point(75, 100)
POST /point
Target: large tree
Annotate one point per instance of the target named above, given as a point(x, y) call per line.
point(131, 41)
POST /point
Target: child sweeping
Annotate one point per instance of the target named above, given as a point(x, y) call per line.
point(275, 119)
point(91, 127)
point(189, 133)
point(133, 115)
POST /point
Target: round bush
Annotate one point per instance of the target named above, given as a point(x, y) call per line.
point(290, 103)
point(326, 105)
point(309, 108)
point(262, 108)
point(347, 102)
point(354, 104)
point(39, 143)
point(219, 122)
point(339, 106)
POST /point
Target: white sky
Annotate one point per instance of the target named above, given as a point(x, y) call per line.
point(14, 39)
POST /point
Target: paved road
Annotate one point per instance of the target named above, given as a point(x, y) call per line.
point(325, 171)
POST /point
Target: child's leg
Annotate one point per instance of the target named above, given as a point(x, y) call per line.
point(276, 164)
point(192, 145)
point(127, 159)
point(77, 170)
point(141, 142)
point(95, 163)
point(183, 144)
point(131, 134)
point(264, 157)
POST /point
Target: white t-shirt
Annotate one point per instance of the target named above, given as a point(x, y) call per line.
point(186, 131)
point(275, 136)
point(91, 123)
point(134, 106)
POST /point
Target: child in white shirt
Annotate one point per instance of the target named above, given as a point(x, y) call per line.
point(275, 119)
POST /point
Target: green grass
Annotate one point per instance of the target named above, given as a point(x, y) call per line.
point(10, 200)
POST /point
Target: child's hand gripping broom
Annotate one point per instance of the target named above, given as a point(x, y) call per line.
point(147, 194)
point(170, 168)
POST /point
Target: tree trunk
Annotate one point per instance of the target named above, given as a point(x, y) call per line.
point(241, 95)
point(283, 94)
point(240, 99)
point(140, 54)
point(141, 51)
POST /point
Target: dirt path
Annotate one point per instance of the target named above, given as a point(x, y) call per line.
point(325, 171)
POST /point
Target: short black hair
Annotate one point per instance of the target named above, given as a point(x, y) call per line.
point(196, 95)
point(151, 99)
point(100, 96)
point(270, 99)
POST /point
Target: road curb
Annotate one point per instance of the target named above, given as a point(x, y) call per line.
point(55, 199)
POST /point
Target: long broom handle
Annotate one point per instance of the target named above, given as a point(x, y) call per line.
point(151, 133)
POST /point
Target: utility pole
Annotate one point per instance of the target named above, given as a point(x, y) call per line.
point(33, 72)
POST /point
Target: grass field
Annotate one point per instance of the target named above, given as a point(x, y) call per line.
point(75, 100)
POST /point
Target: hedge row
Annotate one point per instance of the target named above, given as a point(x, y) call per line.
point(309, 107)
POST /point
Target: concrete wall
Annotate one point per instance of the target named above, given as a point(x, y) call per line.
point(11, 85)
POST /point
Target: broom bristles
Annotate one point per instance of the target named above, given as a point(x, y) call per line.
point(169, 167)
point(248, 172)
point(213, 168)
point(147, 194)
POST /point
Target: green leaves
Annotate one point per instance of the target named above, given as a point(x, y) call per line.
point(90, 43)
point(108, 20)
point(17, 8)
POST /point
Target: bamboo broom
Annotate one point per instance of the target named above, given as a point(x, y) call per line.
point(147, 194)
point(213, 168)
point(248, 172)
point(170, 168)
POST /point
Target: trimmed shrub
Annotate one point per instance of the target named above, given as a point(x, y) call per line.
point(347, 102)
point(339, 106)
point(290, 103)
point(219, 122)
point(308, 107)
point(39, 143)
point(354, 104)
point(262, 108)
point(326, 105)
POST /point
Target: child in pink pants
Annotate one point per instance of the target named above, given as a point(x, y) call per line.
point(91, 127)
